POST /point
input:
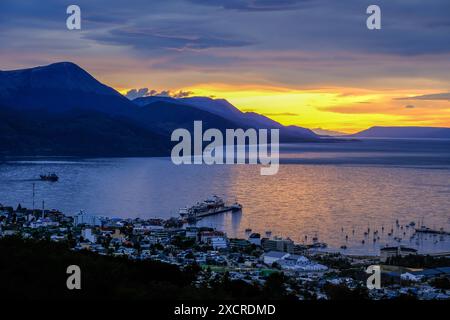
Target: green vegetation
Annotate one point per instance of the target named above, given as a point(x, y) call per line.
point(441, 283)
point(32, 269)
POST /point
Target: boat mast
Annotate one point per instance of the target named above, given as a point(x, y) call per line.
point(33, 196)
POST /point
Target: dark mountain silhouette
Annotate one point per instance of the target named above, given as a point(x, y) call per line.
point(77, 132)
point(220, 107)
point(404, 132)
point(143, 101)
point(60, 109)
point(57, 88)
point(235, 118)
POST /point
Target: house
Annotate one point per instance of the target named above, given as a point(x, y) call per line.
point(300, 263)
point(294, 259)
point(56, 238)
point(191, 232)
point(255, 238)
point(159, 236)
point(239, 243)
point(433, 273)
point(88, 235)
point(274, 256)
point(411, 277)
point(205, 236)
point(278, 244)
point(89, 220)
point(118, 235)
point(219, 242)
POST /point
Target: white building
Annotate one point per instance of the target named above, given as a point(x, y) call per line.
point(219, 242)
point(45, 222)
point(293, 262)
point(88, 235)
point(410, 277)
point(87, 219)
point(274, 256)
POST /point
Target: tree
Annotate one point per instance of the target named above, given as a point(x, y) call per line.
point(274, 287)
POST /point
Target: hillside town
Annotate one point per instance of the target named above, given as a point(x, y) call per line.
point(309, 273)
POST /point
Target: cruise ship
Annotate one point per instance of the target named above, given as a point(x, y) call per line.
point(211, 206)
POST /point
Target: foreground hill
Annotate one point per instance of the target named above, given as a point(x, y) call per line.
point(404, 132)
point(33, 270)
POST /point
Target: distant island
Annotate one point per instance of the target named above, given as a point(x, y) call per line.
point(404, 132)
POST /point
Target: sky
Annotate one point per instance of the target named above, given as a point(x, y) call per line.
point(311, 63)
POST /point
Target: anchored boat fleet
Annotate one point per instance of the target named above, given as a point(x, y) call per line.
point(208, 207)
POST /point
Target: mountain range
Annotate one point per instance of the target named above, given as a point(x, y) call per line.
point(60, 109)
point(404, 133)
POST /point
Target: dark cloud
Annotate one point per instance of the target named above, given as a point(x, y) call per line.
point(146, 92)
point(136, 93)
point(167, 38)
point(327, 40)
point(434, 96)
point(182, 94)
point(255, 5)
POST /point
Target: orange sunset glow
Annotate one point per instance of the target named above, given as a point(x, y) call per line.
point(345, 110)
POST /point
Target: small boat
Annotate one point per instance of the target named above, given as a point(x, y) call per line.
point(344, 247)
point(49, 177)
point(248, 230)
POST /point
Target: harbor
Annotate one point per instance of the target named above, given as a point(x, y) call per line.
point(308, 271)
point(308, 213)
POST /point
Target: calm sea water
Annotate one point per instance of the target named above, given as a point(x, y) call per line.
point(328, 190)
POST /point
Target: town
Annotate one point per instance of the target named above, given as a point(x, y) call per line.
point(308, 273)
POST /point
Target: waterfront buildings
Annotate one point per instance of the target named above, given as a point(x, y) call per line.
point(87, 219)
point(399, 251)
point(278, 244)
point(274, 256)
point(307, 271)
